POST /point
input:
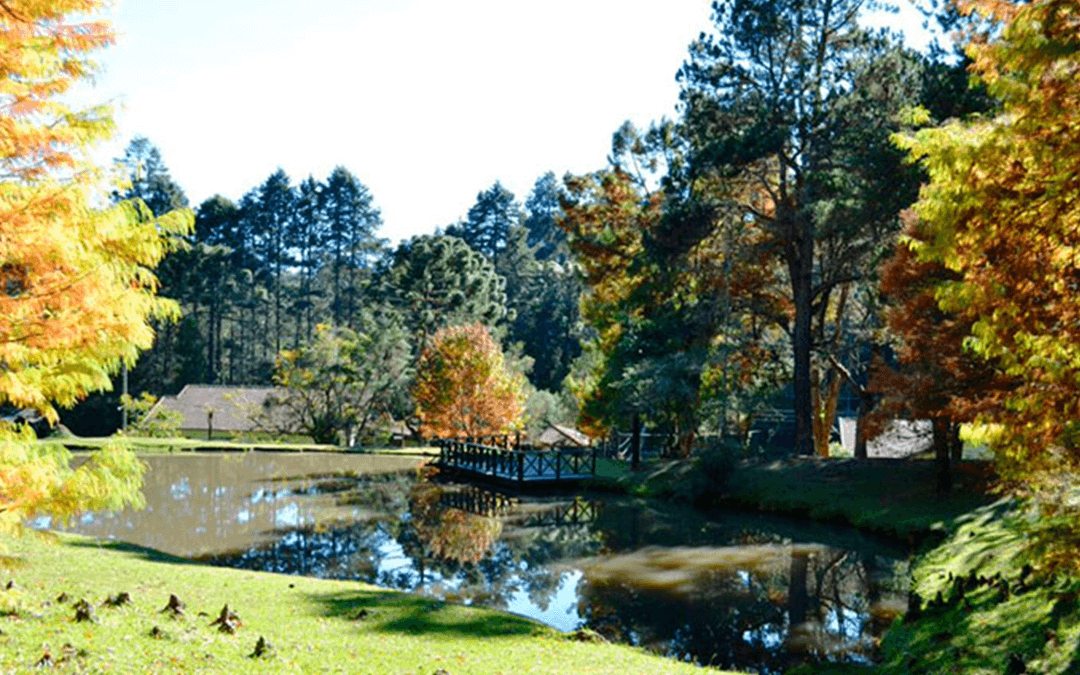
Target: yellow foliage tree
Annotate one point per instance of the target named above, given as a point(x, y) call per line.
point(1000, 213)
point(76, 283)
point(463, 388)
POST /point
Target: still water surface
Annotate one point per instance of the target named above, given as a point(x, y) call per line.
point(726, 589)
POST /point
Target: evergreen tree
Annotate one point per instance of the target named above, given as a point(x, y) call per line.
point(308, 237)
point(795, 100)
point(437, 281)
point(543, 211)
point(149, 178)
point(487, 228)
point(270, 211)
point(352, 247)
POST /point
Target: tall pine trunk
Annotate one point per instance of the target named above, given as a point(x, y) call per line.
point(800, 268)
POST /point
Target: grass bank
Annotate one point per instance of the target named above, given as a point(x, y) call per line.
point(889, 497)
point(311, 626)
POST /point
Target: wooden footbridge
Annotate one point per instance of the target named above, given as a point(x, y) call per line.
point(502, 460)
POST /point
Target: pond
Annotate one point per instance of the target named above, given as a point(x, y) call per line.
point(725, 589)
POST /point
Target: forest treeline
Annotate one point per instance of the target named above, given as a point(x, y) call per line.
point(723, 265)
point(257, 277)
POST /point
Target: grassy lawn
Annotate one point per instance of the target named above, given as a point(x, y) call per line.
point(312, 626)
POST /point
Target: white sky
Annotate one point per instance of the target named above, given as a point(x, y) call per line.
point(427, 102)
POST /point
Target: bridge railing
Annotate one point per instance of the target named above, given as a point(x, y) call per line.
point(518, 464)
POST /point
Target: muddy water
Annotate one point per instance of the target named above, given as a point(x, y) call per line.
point(726, 589)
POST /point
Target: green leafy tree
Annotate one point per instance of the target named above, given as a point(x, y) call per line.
point(149, 178)
point(543, 288)
point(335, 387)
point(269, 212)
point(352, 247)
point(797, 100)
point(437, 281)
point(307, 238)
point(675, 322)
point(543, 210)
point(487, 227)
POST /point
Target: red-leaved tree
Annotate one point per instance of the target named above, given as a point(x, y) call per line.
point(936, 378)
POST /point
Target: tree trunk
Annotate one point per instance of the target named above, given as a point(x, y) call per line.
point(800, 266)
point(866, 404)
point(824, 408)
point(941, 455)
point(956, 446)
point(635, 444)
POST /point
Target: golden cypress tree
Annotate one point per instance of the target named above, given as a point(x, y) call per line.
point(76, 283)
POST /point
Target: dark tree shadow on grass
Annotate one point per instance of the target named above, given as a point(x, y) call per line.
point(148, 554)
point(393, 612)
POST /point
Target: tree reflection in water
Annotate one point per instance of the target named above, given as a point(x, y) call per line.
point(729, 590)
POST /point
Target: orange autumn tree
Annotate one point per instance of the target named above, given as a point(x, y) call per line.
point(1001, 212)
point(463, 387)
point(76, 283)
